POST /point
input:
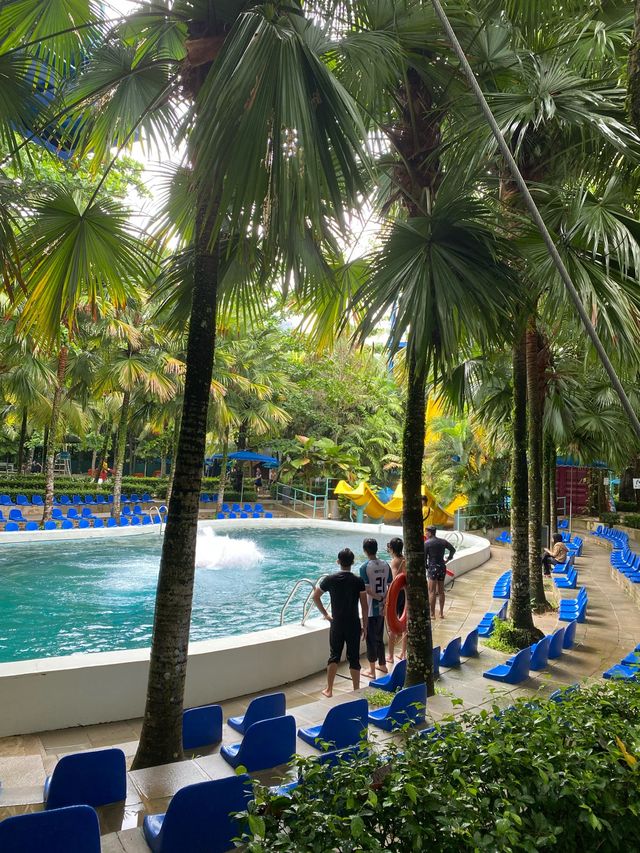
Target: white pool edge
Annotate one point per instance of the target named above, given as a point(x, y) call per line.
point(84, 689)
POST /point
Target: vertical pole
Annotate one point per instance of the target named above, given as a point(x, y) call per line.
point(570, 500)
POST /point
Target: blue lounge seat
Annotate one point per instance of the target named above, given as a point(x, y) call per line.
point(555, 646)
point(112, 522)
point(12, 527)
point(620, 672)
point(135, 521)
point(87, 778)
point(470, 646)
point(342, 727)
point(22, 500)
point(37, 500)
point(394, 680)
point(514, 672)
point(88, 499)
point(67, 524)
point(450, 657)
point(97, 522)
point(408, 706)
point(570, 635)
point(83, 523)
point(77, 500)
point(199, 817)
point(50, 525)
point(70, 830)
point(201, 726)
point(16, 515)
point(266, 744)
point(73, 513)
point(260, 708)
point(32, 525)
point(100, 499)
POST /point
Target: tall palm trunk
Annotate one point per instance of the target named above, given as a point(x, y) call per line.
point(546, 509)
point(22, 440)
point(534, 423)
point(520, 609)
point(553, 497)
point(419, 636)
point(634, 71)
point(121, 447)
point(161, 737)
point(223, 469)
point(174, 454)
point(49, 465)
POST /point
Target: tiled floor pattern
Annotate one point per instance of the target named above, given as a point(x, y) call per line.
point(611, 630)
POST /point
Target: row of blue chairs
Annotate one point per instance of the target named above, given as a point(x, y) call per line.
point(566, 579)
point(502, 587)
point(534, 657)
point(574, 608)
point(628, 669)
point(223, 515)
point(486, 626)
point(574, 544)
point(84, 523)
point(208, 498)
point(616, 537)
point(73, 500)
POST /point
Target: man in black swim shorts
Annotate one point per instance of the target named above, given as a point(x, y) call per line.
point(435, 563)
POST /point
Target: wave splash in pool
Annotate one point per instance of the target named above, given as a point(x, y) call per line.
point(221, 552)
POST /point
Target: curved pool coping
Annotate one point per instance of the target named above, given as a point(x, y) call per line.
point(83, 689)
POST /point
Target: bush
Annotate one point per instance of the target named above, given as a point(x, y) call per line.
point(632, 520)
point(627, 506)
point(506, 637)
point(537, 776)
point(610, 518)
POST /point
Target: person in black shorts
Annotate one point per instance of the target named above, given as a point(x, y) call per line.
point(346, 591)
point(434, 551)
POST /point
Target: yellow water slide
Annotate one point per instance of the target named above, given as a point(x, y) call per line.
point(364, 496)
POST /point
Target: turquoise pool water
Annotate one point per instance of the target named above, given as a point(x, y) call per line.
point(60, 598)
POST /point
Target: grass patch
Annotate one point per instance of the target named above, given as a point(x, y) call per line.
point(378, 698)
point(506, 637)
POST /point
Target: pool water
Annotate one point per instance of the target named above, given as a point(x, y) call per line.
point(60, 598)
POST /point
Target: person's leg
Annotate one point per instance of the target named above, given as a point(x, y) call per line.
point(441, 597)
point(382, 663)
point(336, 643)
point(432, 597)
point(403, 648)
point(546, 564)
point(371, 647)
point(392, 645)
point(332, 668)
point(353, 655)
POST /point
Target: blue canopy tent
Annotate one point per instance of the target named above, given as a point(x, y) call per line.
point(245, 456)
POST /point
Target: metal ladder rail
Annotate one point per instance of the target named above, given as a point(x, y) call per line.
point(307, 601)
point(159, 514)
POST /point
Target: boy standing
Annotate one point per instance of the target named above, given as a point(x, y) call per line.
point(377, 576)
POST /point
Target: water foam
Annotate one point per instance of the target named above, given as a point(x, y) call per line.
point(222, 552)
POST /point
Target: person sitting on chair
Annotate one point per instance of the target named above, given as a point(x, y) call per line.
point(558, 554)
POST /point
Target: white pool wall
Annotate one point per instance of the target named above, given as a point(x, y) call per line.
point(83, 689)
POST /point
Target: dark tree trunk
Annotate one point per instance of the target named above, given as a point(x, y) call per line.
point(174, 454)
point(241, 444)
point(21, 442)
point(161, 737)
point(553, 497)
point(45, 445)
point(534, 424)
point(50, 459)
point(520, 609)
point(546, 509)
point(121, 448)
point(419, 637)
point(223, 469)
point(634, 71)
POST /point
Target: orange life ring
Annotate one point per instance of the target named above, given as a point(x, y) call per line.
point(396, 624)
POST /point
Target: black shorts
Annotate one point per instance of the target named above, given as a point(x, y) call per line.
point(339, 635)
point(436, 573)
point(401, 603)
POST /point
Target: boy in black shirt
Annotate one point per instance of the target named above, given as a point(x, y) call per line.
point(346, 591)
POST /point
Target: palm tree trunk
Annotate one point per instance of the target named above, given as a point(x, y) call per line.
point(161, 737)
point(534, 423)
point(546, 490)
point(121, 447)
point(553, 498)
point(49, 466)
point(520, 609)
point(419, 636)
point(21, 442)
point(634, 71)
point(223, 469)
point(174, 454)
point(104, 453)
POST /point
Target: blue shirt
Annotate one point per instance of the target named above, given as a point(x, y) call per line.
point(377, 576)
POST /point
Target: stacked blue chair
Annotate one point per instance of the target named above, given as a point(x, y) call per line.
point(514, 672)
point(563, 568)
point(575, 546)
point(201, 726)
point(450, 657)
point(343, 726)
point(266, 744)
point(200, 817)
point(485, 628)
point(597, 531)
point(394, 680)
point(502, 587)
point(574, 608)
point(470, 646)
point(261, 708)
point(22, 500)
point(87, 778)
point(504, 538)
point(74, 829)
point(407, 708)
point(567, 581)
point(16, 515)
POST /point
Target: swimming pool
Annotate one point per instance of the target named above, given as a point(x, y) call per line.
point(61, 598)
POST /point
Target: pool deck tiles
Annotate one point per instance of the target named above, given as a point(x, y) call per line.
point(612, 627)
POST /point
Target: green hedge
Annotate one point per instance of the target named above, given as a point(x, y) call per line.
point(626, 506)
point(538, 776)
point(610, 518)
point(632, 520)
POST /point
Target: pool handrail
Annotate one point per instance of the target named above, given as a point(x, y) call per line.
point(306, 605)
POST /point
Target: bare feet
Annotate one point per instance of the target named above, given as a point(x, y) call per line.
point(369, 675)
point(328, 693)
point(390, 660)
point(401, 657)
point(382, 669)
point(442, 615)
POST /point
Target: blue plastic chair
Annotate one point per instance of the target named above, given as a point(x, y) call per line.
point(555, 646)
point(450, 657)
point(394, 680)
point(232, 515)
point(87, 778)
point(87, 512)
point(57, 514)
point(124, 521)
point(201, 726)
point(84, 523)
point(100, 499)
point(266, 744)
point(112, 522)
point(32, 525)
point(135, 498)
point(137, 510)
point(2, 518)
point(16, 515)
point(258, 508)
point(73, 513)
point(268, 515)
point(126, 510)
point(244, 515)
point(569, 638)
point(235, 507)
point(22, 500)
point(37, 500)
point(12, 527)
point(199, 818)
point(564, 524)
point(539, 654)
point(64, 499)
point(135, 521)
point(632, 659)
point(75, 828)
point(225, 507)
point(77, 500)
point(88, 499)
point(97, 522)
point(146, 498)
point(50, 525)
point(620, 672)
point(256, 515)
point(408, 706)
point(342, 727)
point(512, 673)
point(67, 524)
point(146, 519)
point(470, 646)
point(260, 708)
point(247, 508)
point(109, 499)
point(5, 500)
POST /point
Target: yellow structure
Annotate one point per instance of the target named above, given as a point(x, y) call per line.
point(364, 496)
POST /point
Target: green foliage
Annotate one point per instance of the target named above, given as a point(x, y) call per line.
point(626, 506)
point(610, 518)
point(378, 698)
point(506, 637)
point(632, 520)
point(537, 776)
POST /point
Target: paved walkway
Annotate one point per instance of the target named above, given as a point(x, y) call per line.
point(612, 629)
